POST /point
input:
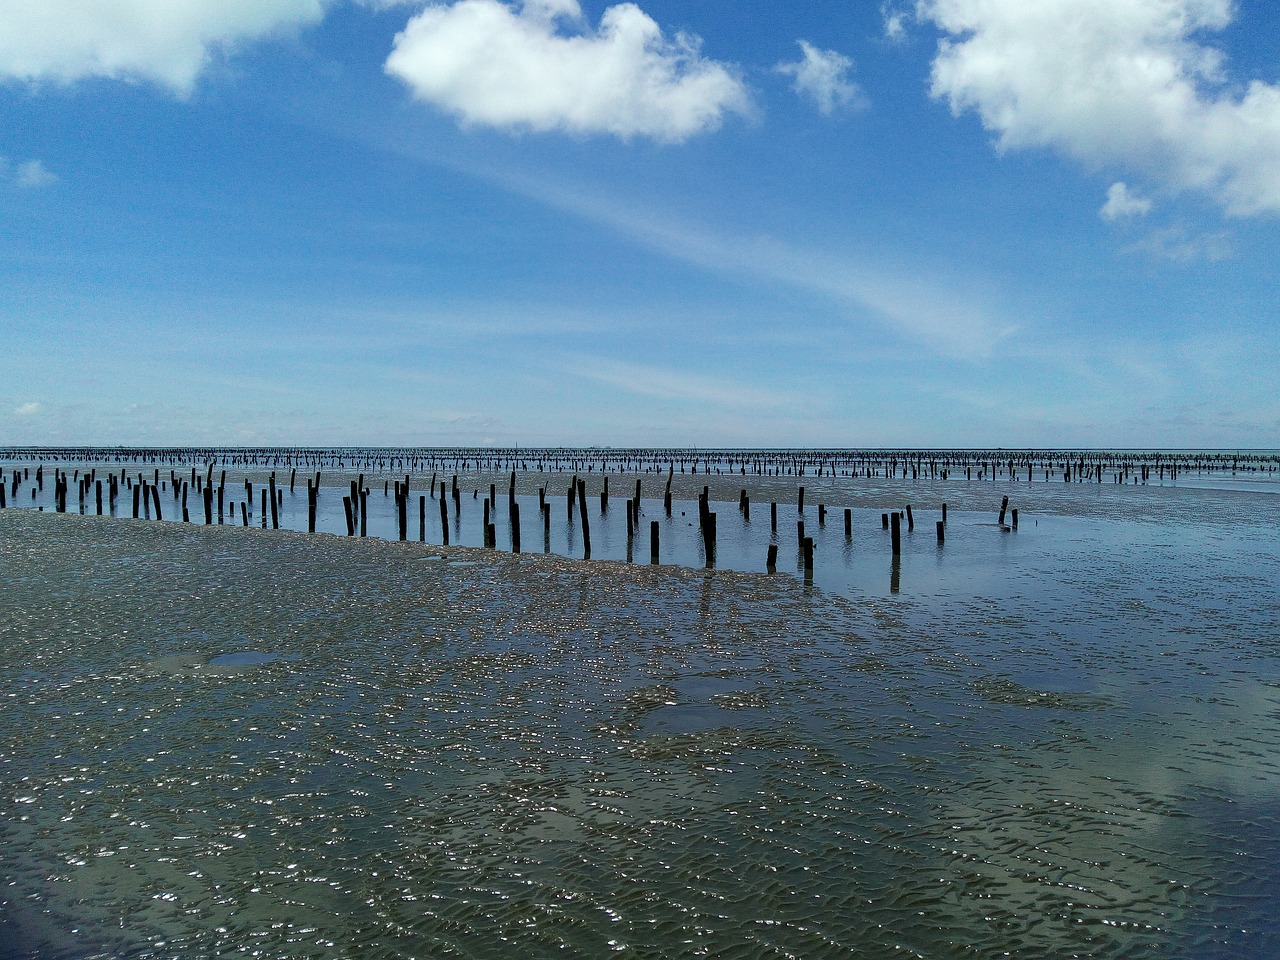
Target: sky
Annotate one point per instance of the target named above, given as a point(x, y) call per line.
point(944, 223)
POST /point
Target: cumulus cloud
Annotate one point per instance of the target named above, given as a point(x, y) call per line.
point(822, 75)
point(167, 42)
point(28, 409)
point(1114, 82)
point(537, 66)
point(1123, 203)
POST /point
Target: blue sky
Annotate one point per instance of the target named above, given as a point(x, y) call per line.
point(946, 223)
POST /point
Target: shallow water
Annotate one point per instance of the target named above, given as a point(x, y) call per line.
point(1059, 742)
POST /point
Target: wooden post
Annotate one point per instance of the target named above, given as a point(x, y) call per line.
point(653, 541)
point(263, 512)
point(1004, 505)
point(244, 513)
point(709, 539)
point(944, 514)
point(364, 512)
point(515, 526)
point(771, 560)
point(911, 521)
point(942, 527)
point(1015, 518)
point(800, 507)
point(136, 491)
point(773, 517)
point(806, 547)
point(208, 506)
point(822, 514)
point(896, 528)
point(604, 496)
point(275, 519)
point(884, 521)
point(586, 523)
point(444, 519)
point(155, 496)
point(848, 523)
point(422, 518)
point(799, 531)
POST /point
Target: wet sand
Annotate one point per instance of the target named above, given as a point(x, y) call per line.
point(228, 740)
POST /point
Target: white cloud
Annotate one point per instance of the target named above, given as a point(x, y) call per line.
point(895, 18)
point(164, 41)
point(1178, 246)
point(28, 409)
point(915, 307)
point(1114, 82)
point(33, 174)
point(822, 75)
point(515, 67)
point(1122, 203)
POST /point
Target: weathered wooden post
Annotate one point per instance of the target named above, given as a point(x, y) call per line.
point(515, 526)
point(771, 559)
point(848, 523)
point(1014, 517)
point(208, 506)
point(444, 519)
point(1004, 505)
point(422, 518)
point(773, 517)
point(911, 520)
point(806, 549)
point(586, 523)
point(896, 528)
point(942, 528)
point(800, 507)
point(653, 541)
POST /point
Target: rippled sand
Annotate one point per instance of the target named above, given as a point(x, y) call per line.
point(225, 741)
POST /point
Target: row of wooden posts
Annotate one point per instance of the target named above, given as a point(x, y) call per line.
point(146, 500)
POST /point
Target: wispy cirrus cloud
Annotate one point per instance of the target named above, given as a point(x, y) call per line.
point(910, 306)
point(673, 384)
